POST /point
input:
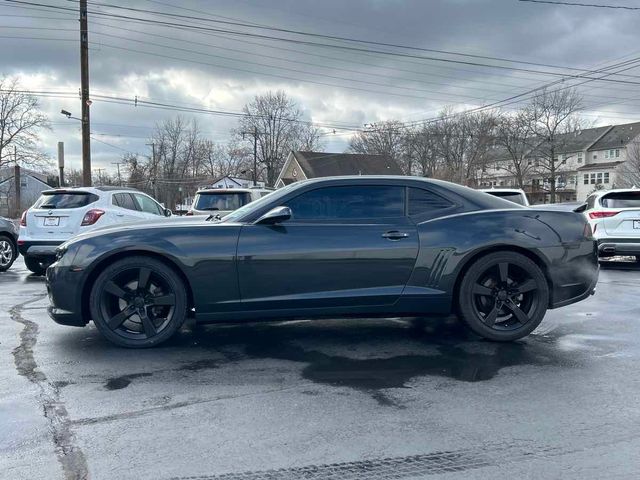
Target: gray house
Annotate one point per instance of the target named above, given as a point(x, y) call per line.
point(31, 186)
point(304, 165)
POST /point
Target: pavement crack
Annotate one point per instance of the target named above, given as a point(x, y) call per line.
point(69, 454)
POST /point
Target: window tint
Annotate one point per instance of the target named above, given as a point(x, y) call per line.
point(65, 200)
point(423, 201)
point(621, 200)
point(147, 205)
point(349, 202)
point(124, 200)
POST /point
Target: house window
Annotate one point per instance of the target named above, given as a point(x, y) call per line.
point(586, 179)
point(579, 157)
point(606, 154)
point(595, 157)
point(23, 182)
point(617, 152)
point(599, 177)
point(606, 177)
point(593, 179)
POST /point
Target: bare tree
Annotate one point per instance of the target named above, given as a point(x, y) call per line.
point(20, 121)
point(383, 138)
point(628, 174)
point(553, 118)
point(513, 134)
point(279, 128)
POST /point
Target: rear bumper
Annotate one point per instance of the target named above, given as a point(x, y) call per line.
point(575, 278)
point(608, 247)
point(38, 248)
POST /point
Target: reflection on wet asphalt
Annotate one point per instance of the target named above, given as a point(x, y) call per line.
point(290, 394)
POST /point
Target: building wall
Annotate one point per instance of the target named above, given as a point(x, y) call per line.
point(30, 190)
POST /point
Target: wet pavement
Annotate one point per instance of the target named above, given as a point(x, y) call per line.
point(334, 399)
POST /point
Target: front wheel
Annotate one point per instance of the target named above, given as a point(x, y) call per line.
point(503, 296)
point(138, 302)
point(8, 253)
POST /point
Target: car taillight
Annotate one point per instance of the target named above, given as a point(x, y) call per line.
point(189, 213)
point(23, 219)
point(91, 217)
point(605, 214)
point(588, 233)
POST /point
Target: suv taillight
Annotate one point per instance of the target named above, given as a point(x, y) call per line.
point(23, 219)
point(91, 217)
point(605, 214)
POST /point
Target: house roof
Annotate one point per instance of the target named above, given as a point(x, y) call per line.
point(574, 142)
point(34, 176)
point(600, 166)
point(322, 164)
point(618, 136)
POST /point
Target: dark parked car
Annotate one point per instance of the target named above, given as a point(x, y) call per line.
point(8, 243)
point(333, 247)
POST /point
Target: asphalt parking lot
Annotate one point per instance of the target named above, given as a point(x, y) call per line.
point(350, 399)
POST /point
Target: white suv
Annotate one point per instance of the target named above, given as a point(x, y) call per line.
point(614, 216)
point(62, 213)
point(514, 195)
point(223, 201)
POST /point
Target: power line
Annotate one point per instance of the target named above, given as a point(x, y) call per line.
point(579, 4)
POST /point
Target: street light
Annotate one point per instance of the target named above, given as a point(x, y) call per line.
point(68, 115)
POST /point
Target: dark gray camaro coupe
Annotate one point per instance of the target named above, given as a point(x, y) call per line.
point(333, 247)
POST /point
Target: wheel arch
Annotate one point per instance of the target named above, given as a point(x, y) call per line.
point(104, 262)
point(471, 258)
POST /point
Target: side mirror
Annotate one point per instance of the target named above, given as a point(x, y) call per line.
point(582, 208)
point(167, 212)
point(275, 215)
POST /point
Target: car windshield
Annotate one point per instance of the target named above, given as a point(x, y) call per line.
point(621, 200)
point(515, 197)
point(224, 201)
point(56, 200)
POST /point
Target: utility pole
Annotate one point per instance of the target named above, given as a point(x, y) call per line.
point(16, 179)
point(155, 169)
point(99, 170)
point(86, 102)
point(119, 178)
point(61, 163)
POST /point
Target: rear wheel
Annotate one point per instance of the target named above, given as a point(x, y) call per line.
point(8, 253)
point(138, 302)
point(36, 265)
point(503, 296)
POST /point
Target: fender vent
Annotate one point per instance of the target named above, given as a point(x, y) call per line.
point(438, 266)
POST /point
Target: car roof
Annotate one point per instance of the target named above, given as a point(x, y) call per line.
point(506, 190)
point(602, 193)
point(94, 190)
point(233, 190)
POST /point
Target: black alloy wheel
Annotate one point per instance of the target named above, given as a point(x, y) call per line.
point(138, 302)
point(503, 296)
point(8, 253)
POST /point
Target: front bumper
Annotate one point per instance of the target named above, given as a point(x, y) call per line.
point(609, 247)
point(38, 248)
point(65, 294)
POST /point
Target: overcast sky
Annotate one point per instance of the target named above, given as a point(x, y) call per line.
point(216, 70)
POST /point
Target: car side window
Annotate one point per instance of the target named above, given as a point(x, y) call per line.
point(423, 201)
point(356, 202)
point(147, 205)
point(124, 200)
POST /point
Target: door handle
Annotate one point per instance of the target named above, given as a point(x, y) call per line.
point(395, 235)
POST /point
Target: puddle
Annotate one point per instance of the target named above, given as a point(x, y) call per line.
point(118, 383)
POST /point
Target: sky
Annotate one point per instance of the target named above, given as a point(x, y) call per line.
point(460, 54)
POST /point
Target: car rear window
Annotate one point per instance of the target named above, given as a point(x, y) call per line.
point(621, 200)
point(59, 200)
point(221, 200)
point(514, 197)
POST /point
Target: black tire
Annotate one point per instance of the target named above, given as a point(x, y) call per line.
point(138, 302)
point(36, 265)
point(8, 253)
point(503, 296)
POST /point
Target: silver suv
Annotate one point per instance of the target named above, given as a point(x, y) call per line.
point(223, 201)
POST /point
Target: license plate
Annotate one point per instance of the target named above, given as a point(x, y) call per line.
point(636, 224)
point(55, 221)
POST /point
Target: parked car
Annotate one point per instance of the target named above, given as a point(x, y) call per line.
point(514, 195)
point(8, 243)
point(60, 214)
point(342, 246)
point(614, 216)
point(222, 201)
point(564, 207)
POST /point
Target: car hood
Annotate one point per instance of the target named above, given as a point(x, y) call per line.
point(164, 223)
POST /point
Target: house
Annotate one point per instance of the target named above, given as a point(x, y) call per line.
point(304, 165)
point(233, 182)
point(587, 160)
point(31, 186)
